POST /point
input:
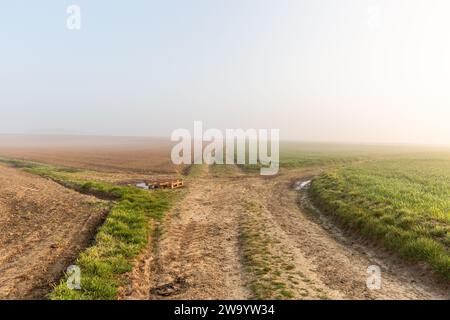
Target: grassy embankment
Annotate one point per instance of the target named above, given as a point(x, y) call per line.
point(120, 239)
point(405, 204)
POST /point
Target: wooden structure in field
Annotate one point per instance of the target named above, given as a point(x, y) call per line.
point(165, 184)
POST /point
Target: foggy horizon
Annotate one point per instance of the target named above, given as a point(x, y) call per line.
point(365, 72)
point(57, 135)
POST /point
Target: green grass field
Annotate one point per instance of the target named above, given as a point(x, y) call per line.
point(299, 155)
point(403, 202)
point(307, 155)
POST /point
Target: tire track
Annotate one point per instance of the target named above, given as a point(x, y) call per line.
point(197, 256)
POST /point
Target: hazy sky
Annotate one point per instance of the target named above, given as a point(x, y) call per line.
point(361, 71)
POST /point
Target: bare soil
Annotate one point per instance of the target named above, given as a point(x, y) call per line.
point(111, 154)
point(43, 228)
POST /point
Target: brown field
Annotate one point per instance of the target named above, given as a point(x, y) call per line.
point(113, 154)
point(43, 228)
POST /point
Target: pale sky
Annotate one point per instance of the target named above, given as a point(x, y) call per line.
point(343, 70)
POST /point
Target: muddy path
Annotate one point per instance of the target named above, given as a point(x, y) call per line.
point(43, 228)
point(211, 241)
point(197, 254)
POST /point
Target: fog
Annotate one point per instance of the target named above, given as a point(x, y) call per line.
point(340, 71)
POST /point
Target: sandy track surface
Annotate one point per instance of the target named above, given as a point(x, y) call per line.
point(197, 256)
point(43, 227)
point(200, 253)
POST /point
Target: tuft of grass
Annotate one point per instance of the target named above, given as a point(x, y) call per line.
point(222, 170)
point(404, 203)
point(195, 171)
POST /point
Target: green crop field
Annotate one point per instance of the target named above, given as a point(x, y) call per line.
point(404, 203)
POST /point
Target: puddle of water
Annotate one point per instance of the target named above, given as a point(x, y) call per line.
point(301, 185)
point(142, 185)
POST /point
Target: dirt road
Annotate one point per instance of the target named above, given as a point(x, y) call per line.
point(43, 227)
point(197, 256)
point(238, 237)
point(340, 260)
